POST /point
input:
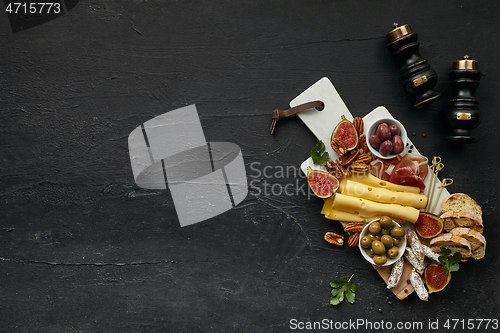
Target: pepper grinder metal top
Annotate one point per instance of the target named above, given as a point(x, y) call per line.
point(416, 73)
point(463, 109)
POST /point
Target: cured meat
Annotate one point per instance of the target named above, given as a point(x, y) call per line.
point(411, 171)
point(382, 168)
point(377, 168)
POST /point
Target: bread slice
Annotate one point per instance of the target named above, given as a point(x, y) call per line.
point(454, 220)
point(452, 242)
point(460, 202)
point(476, 240)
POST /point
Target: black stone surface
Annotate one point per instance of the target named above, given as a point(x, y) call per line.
point(83, 249)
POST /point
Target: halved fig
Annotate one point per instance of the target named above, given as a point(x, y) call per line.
point(435, 278)
point(429, 225)
point(323, 184)
point(346, 132)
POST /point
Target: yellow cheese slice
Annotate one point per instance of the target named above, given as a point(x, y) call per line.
point(371, 180)
point(327, 206)
point(379, 194)
point(367, 208)
point(348, 217)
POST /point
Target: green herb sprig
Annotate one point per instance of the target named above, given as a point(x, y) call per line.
point(450, 264)
point(338, 294)
point(318, 154)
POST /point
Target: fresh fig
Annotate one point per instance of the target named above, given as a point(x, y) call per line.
point(346, 132)
point(429, 225)
point(436, 278)
point(323, 184)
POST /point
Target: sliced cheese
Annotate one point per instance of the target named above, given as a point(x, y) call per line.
point(379, 194)
point(371, 180)
point(368, 208)
point(348, 217)
point(327, 206)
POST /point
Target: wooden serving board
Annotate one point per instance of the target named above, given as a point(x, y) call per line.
point(321, 123)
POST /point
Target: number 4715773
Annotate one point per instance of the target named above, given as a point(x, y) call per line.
point(471, 324)
point(33, 8)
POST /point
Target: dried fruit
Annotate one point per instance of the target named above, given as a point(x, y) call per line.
point(346, 133)
point(435, 278)
point(334, 238)
point(322, 183)
point(429, 225)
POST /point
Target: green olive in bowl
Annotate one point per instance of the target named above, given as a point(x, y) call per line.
point(375, 228)
point(381, 246)
point(397, 232)
point(380, 259)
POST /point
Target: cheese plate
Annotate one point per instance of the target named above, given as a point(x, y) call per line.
point(321, 123)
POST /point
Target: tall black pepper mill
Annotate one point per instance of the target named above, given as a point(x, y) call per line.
point(463, 107)
point(416, 73)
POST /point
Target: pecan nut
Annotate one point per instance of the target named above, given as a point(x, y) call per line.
point(354, 227)
point(360, 168)
point(348, 158)
point(364, 158)
point(346, 171)
point(353, 239)
point(362, 145)
point(358, 125)
point(332, 168)
point(334, 238)
point(338, 146)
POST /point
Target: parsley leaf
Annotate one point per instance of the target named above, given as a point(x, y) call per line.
point(318, 154)
point(345, 287)
point(450, 264)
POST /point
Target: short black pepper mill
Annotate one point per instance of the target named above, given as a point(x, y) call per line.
point(463, 109)
point(416, 73)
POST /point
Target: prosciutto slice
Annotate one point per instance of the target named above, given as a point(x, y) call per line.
point(411, 170)
point(383, 168)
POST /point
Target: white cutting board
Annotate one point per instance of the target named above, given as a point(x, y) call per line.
point(321, 123)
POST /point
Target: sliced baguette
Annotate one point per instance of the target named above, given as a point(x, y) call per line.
point(453, 243)
point(460, 202)
point(476, 240)
point(454, 220)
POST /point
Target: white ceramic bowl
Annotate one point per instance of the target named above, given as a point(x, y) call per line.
point(373, 129)
point(390, 261)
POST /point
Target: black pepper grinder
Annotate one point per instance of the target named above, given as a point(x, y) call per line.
point(416, 73)
point(463, 109)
